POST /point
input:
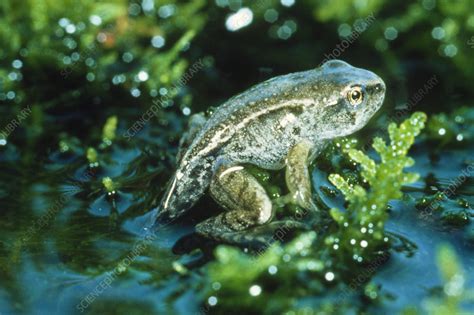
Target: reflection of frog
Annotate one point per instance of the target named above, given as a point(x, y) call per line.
point(285, 121)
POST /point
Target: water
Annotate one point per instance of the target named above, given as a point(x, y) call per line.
point(67, 245)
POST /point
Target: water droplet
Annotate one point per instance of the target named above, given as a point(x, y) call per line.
point(95, 20)
point(158, 41)
point(222, 3)
point(143, 76)
point(75, 56)
point(63, 22)
point(212, 300)
point(101, 37)
point(186, 111)
point(287, 3)
point(90, 77)
point(11, 95)
point(391, 33)
point(70, 29)
point(148, 5)
point(329, 276)
point(255, 290)
point(284, 32)
point(17, 64)
point(271, 15)
point(272, 270)
point(127, 57)
point(239, 19)
point(438, 33)
point(166, 11)
point(344, 30)
point(12, 76)
point(450, 50)
point(134, 9)
point(135, 92)
point(90, 62)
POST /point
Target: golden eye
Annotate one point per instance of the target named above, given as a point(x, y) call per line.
point(355, 96)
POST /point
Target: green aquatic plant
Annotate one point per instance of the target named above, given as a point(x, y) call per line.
point(453, 129)
point(361, 225)
point(261, 283)
point(110, 127)
point(106, 51)
point(92, 156)
point(109, 184)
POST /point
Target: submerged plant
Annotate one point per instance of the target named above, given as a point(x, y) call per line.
point(453, 297)
point(454, 278)
point(273, 281)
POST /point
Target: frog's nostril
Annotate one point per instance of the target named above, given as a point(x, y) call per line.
point(379, 87)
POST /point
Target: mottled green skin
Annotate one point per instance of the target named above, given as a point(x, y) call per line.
point(285, 121)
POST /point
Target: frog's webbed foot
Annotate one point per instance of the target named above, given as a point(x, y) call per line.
point(245, 200)
point(298, 178)
point(261, 237)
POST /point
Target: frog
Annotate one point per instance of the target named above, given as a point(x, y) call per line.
point(283, 123)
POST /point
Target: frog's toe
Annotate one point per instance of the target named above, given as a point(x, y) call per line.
point(304, 201)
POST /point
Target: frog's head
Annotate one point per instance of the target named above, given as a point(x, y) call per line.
point(350, 96)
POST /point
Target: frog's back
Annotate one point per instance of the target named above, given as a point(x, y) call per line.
point(260, 95)
point(238, 113)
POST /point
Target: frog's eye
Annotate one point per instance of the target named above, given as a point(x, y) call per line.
point(355, 96)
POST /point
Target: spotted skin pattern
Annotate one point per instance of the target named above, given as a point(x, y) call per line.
point(283, 122)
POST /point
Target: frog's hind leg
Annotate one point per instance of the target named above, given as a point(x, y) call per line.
point(245, 200)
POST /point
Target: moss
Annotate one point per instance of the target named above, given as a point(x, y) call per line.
point(455, 218)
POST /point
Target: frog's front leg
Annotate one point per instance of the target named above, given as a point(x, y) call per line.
point(245, 200)
point(297, 176)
